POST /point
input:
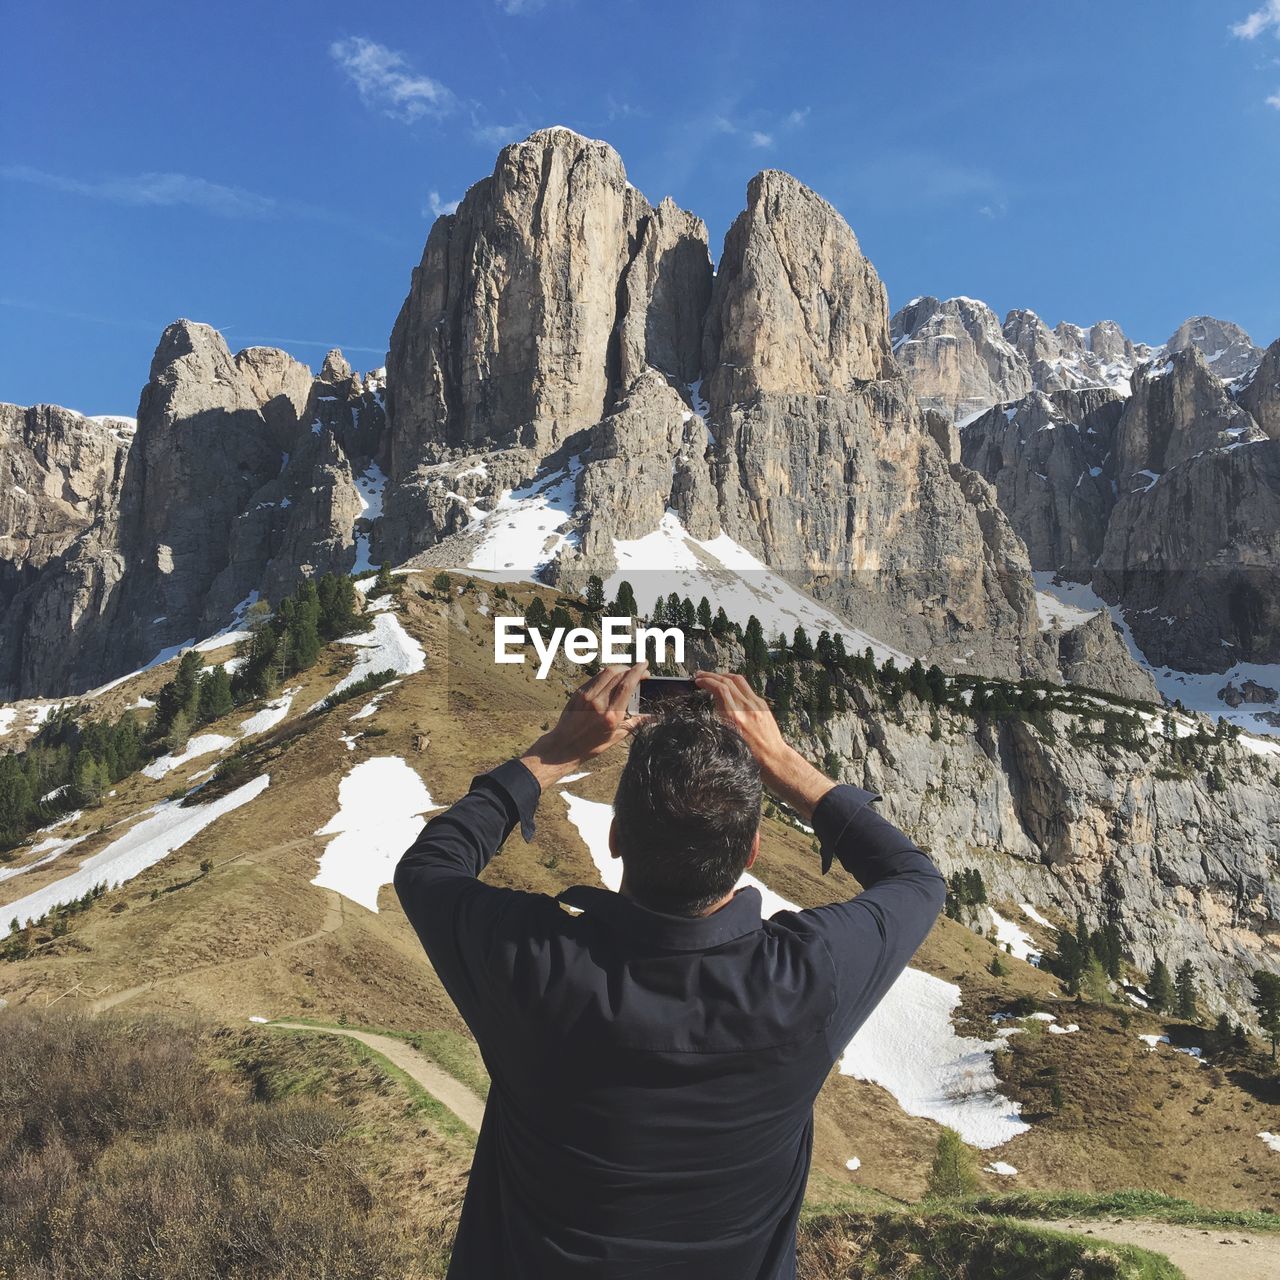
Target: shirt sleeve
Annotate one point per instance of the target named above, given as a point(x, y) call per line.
point(457, 918)
point(870, 937)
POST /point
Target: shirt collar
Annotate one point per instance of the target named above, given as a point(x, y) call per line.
point(739, 916)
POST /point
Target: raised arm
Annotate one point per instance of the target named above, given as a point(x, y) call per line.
point(459, 919)
point(872, 936)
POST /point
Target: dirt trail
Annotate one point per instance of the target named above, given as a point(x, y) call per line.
point(1203, 1253)
point(438, 1083)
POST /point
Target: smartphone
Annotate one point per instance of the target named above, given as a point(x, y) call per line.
point(653, 690)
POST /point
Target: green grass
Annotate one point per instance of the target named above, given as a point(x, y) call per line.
point(422, 1103)
point(1120, 1204)
point(451, 1052)
point(947, 1244)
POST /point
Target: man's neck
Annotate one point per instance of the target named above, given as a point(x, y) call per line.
point(701, 915)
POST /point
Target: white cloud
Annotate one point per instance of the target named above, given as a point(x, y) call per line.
point(498, 135)
point(386, 83)
point(759, 139)
point(158, 189)
point(516, 7)
point(797, 117)
point(1264, 19)
point(1274, 100)
point(437, 207)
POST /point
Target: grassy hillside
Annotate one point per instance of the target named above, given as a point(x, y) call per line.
point(229, 927)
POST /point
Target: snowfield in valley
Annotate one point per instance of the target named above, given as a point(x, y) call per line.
point(908, 1045)
point(381, 803)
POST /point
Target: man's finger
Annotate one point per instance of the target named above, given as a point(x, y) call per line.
point(620, 694)
point(597, 691)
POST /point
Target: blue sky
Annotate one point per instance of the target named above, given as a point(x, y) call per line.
point(272, 168)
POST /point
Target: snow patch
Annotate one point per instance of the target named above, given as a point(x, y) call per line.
point(380, 808)
point(167, 828)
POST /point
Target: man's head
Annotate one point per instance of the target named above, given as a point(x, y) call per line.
point(687, 812)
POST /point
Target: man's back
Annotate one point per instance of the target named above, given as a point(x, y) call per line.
point(653, 1076)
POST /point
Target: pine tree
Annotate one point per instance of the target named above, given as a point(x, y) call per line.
point(381, 583)
point(179, 731)
point(660, 612)
point(801, 646)
point(1222, 1034)
point(721, 627)
point(997, 966)
point(1159, 988)
point(595, 594)
point(1185, 991)
point(442, 583)
point(560, 617)
point(536, 614)
point(215, 698)
point(1266, 1000)
point(704, 614)
point(624, 604)
point(954, 1172)
point(688, 615)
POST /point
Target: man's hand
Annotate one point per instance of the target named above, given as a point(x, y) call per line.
point(594, 719)
point(783, 769)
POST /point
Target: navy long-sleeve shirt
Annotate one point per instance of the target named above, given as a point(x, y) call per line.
point(653, 1076)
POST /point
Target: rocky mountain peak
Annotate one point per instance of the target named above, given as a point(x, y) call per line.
point(796, 307)
point(956, 357)
point(335, 368)
point(1227, 348)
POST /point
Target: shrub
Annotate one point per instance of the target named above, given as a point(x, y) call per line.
point(954, 1172)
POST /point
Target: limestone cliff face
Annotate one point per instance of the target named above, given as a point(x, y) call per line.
point(1227, 349)
point(1184, 871)
point(536, 306)
point(1260, 395)
point(796, 307)
point(1164, 501)
point(557, 316)
point(1195, 558)
point(961, 360)
point(1178, 409)
point(956, 357)
point(1049, 457)
point(826, 466)
point(59, 473)
point(241, 476)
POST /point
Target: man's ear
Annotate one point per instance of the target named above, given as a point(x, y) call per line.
point(755, 848)
point(613, 839)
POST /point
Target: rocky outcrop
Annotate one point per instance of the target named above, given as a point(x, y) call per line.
point(666, 290)
point(60, 473)
point(1260, 395)
point(1093, 654)
point(956, 357)
point(1178, 409)
point(1124, 835)
point(535, 307)
point(243, 474)
point(1048, 456)
point(1194, 557)
point(1226, 348)
point(796, 307)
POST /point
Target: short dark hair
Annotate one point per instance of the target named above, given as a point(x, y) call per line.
point(687, 808)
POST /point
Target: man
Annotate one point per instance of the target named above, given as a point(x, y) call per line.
point(655, 1055)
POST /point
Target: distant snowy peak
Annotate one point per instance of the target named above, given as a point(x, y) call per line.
point(1227, 349)
point(961, 359)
